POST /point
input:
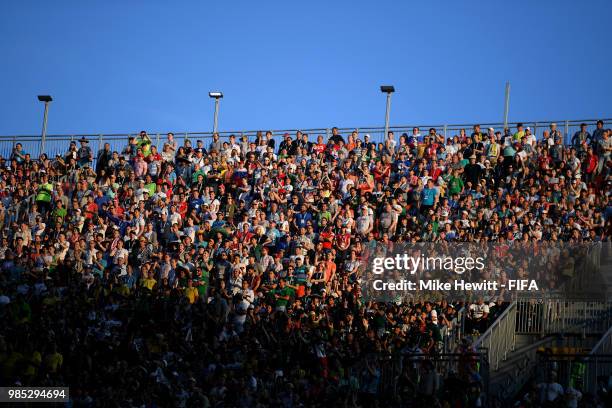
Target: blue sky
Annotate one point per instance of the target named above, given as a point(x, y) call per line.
point(117, 66)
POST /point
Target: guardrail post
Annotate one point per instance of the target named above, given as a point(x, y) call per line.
point(100, 138)
point(585, 319)
point(566, 132)
point(445, 126)
point(157, 141)
point(543, 318)
point(327, 134)
point(535, 129)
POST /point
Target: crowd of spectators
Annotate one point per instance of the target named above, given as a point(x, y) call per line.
point(224, 272)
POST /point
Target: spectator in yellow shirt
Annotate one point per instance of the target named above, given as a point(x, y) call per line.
point(191, 293)
point(148, 282)
point(53, 361)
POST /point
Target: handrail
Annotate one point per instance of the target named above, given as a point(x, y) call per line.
point(605, 341)
point(496, 323)
point(322, 130)
point(456, 332)
point(499, 344)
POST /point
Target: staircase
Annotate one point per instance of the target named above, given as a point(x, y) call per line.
point(530, 328)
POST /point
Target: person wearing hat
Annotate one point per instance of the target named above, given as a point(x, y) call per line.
point(84, 154)
point(472, 172)
point(520, 132)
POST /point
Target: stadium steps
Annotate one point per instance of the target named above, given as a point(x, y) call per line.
point(513, 356)
point(520, 365)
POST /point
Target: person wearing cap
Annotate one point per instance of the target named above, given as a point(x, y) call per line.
point(520, 132)
point(84, 154)
point(472, 172)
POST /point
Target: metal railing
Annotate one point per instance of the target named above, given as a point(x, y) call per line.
point(510, 369)
point(604, 345)
point(500, 337)
point(391, 367)
point(57, 144)
point(543, 318)
point(563, 316)
point(599, 361)
point(453, 334)
point(584, 372)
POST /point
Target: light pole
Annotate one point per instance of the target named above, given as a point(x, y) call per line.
point(506, 105)
point(216, 95)
point(46, 99)
point(388, 89)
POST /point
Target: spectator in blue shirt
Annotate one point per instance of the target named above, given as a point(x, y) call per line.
point(429, 197)
point(195, 202)
point(302, 218)
point(18, 153)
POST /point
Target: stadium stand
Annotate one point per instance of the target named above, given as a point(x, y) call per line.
point(220, 270)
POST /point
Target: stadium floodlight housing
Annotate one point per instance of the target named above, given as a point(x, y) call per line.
point(216, 95)
point(45, 98)
point(388, 89)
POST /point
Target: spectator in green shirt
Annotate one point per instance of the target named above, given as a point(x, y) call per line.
point(282, 294)
point(455, 184)
point(59, 210)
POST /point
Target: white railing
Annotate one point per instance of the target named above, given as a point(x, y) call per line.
point(58, 143)
point(604, 345)
point(599, 362)
point(499, 339)
point(562, 316)
point(452, 334)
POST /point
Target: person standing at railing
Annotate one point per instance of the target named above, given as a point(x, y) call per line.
point(520, 132)
point(598, 132)
point(492, 149)
point(103, 158)
point(555, 133)
point(144, 143)
point(84, 154)
point(18, 154)
point(129, 151)
point(581, 140)
point(604, 150)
